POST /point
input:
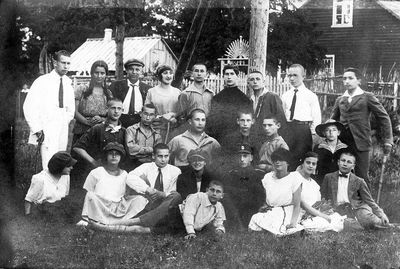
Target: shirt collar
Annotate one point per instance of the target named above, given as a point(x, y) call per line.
point(112, 128)
point(130, 83)
point(192, 88)
point(253, 97)
point(302, 87)
point(356, 92)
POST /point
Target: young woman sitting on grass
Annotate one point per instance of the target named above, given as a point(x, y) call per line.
point(52, 184)
point(281, 211)
point(105, 200)
point(316, 215)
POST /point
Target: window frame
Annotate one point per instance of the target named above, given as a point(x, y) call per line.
point(343, 4)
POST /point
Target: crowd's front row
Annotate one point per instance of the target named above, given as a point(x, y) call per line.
point(156, 196)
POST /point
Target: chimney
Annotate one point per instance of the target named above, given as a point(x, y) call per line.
point(107, 34)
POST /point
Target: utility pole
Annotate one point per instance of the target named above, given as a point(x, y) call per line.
point(258, 35)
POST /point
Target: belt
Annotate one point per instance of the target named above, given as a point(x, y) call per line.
point(300, 122)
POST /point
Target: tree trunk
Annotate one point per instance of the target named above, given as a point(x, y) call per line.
point(191, 41)
point(119, 44)
point(258, 35)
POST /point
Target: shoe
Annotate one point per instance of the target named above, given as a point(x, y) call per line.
point(82, 223)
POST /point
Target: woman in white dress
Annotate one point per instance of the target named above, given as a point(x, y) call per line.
point(316, 215)
point(281, 212)
point(165, 98)
point(105, 199)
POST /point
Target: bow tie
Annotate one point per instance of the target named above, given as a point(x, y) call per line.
point(343, 175)
point(113, 129)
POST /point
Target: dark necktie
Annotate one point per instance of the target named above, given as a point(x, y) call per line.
point(159, 181)
point(132, 103)
point(61, 94)
point(292, 107)
point(342, 175)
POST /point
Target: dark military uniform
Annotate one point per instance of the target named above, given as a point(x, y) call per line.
point(243, 195)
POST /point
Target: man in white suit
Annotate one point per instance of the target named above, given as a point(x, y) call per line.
point(49, 107)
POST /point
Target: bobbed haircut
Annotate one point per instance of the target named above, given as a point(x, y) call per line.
point(281, 154)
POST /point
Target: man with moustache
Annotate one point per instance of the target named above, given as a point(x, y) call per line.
point(49, 108)
point(131, 91)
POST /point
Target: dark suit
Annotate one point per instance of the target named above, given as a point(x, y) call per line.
point(187, 184)
point(355, 116)
point(366, 210)
point(119, 89)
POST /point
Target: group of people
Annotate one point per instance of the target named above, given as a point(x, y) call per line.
point(160, 158)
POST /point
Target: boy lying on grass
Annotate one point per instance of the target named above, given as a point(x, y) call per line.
point(201, 209)
point(52, 184)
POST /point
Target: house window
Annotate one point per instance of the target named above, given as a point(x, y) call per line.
point(342, 13)
point(329, 63)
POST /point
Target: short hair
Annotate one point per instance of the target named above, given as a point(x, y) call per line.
point(216, 183)
point(303, 71)
point(348, 152)
point(58, 54)
point(256, 72)
point(356, 71)
point(242, 112)
point(309, 154)
point(150, 106)
point(194, 111)
point(233, 67)
point(114, 99)
point(281, 154)
point(272, 117)
point(159, 146)
point(203, 64)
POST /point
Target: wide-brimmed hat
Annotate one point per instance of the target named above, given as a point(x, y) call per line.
point(199, 153)
point(115, 146)
point(59, 161)
point(320, 129)
point(133, 62)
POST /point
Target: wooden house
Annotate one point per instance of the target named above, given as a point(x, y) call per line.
point(358, 33)
point(152, 50)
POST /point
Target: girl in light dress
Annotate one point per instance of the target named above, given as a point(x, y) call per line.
point(105, 201)
point(281, 211)
point(165, 98)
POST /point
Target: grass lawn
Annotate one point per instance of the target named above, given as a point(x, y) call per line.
point(50, 241)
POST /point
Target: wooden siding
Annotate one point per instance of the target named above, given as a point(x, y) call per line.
point(373, 41)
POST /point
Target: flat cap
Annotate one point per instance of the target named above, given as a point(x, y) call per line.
point(115, 146)
point(199, 153)
point(133, 62)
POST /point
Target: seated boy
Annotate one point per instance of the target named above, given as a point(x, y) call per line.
point(52, 184)
point(350, 195)
point(140, 138)
point(273, 141)
point(90, 145)
point(330, 144)
point(203, 208)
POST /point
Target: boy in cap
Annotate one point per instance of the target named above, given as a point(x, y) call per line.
point(197, 177)
point(51, 184)
point(204, 208)
point(131, 91)
point(140, 138)
point(274, 141)
point(243, 188)
point(326, 150)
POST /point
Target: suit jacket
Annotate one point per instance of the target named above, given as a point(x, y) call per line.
point(357, 190)
point(119, 89)
point(187, 184)
point(270, 104)
point(356, 115)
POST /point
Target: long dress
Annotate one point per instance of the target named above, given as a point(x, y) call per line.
point(311, 195)
point(105, 201)
point(279, 195)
